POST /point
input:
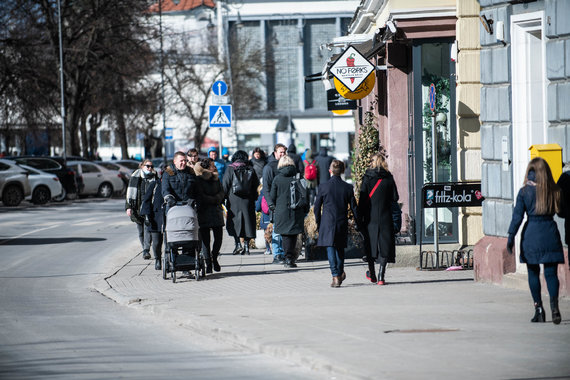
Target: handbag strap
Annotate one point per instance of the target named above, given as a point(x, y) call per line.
point(374, 188)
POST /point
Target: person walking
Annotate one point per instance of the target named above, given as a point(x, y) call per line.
point(210, 196)
point(311, 175)
point(287, 222)
point(153, 213)
point(292, 152)
point(258, 160)
point(270, 171)
point(240, 186)
point(335, 197)
point(220, 164)
point(262, 207)
point(141, 180)
point(540, 243)
point(178, 182)
point(377, 194)
point(324, 161)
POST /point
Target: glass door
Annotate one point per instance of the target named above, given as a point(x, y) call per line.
point(432, 65)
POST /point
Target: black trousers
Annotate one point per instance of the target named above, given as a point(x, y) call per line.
point(211, 253)
point(289, 245)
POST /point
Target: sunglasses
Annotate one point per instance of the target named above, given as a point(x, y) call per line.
point(149, 166)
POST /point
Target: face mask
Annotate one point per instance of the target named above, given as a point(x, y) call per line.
point(146, 172)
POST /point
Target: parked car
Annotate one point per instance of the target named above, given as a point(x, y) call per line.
point(124, 172)
point(44, 185)
point(131, 164)
point(14, 184)
point(97, 180)
point(53, 165)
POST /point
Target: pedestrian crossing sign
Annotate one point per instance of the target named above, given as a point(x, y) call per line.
point(220, 116)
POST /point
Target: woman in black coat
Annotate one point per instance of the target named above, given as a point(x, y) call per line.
point(240, 185)
point(153, 212)
point(286, 222)
point(210, 196)
point(539, 198)
point(335, 196)
point(378, 192)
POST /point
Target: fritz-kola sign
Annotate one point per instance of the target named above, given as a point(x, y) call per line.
point(351, 68)
point(437, 195)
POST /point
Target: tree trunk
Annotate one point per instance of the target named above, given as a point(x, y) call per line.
point(94, 124)
point(84, 142)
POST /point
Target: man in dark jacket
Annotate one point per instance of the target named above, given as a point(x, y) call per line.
point(269, 173)
point(324, 161)
point(335, 196)
point(178, 182)
point(292, 152)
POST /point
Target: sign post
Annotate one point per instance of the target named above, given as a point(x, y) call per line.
point(220, 88)
point(434, 162)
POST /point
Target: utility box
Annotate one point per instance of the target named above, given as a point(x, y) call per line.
point(552, 153)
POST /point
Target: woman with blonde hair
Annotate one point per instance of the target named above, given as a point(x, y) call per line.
point(539, 198)
point(378, 193)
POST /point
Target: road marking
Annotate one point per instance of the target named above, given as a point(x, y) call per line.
point(28, 233)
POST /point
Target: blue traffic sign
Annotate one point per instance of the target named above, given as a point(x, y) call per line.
point(432, 97)
point(220, 116)
point(219, 88)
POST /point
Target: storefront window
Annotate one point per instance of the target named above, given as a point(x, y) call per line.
point(432, 65)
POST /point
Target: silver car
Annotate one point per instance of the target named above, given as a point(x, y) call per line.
point(97, 180)
point(14, 184)
point(45, 186)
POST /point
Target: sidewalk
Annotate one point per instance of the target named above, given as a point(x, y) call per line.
point(434, 324)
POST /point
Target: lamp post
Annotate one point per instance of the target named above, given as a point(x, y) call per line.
point(162, 103)
point(61, 84)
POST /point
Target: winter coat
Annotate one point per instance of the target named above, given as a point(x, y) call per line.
point(179, 184)
point(285, 220)
point(292, 152)
point(335, 196)
point(139, 183)
point(375, 214)
point(152, 207)
point(564, 183)
point(210, 196)
point(265, 218)
point(540, 239)
point(324, 161)
point(241, 211)
point(269, 173)
point(313, 184)
point(258, 165)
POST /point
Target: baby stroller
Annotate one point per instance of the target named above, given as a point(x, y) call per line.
point(181, 232)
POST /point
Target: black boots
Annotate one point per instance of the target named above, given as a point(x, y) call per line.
point(208, 265)
point(556, 318)
point(539, 314)
point(245, 248)
point(146, 255)
point(158, 263)
point(238, 249)
point(215, 263)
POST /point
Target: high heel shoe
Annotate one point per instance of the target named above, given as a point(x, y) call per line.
point(539, 314)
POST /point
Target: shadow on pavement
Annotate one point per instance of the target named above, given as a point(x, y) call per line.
point(42, 241)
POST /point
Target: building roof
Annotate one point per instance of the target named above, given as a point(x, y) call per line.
point(181, 5)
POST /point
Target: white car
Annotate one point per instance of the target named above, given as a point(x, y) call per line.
point(14, 184)
point(97, 180)
point(44, 186)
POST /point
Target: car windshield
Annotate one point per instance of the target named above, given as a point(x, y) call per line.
point(109, 166)
point(133, 165)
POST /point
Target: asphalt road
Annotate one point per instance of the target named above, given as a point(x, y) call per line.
point(53, 325)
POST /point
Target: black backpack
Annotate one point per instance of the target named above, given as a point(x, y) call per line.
point(241, 182)
point(298, 195)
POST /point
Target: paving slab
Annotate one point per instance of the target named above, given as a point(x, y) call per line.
point(436, 324)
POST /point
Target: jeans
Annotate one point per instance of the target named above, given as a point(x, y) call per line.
point(156, 244)
point(276, 244)
point(551, 277)
point(336, 260)
point(145, 237)
point(210, 254)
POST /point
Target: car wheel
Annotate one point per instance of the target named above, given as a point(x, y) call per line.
point(61, 197)
point(105, 190)
point(12, 196)
point(41, 195)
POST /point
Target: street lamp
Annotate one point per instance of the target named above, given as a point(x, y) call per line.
point(61, 84)
point(162, 104)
